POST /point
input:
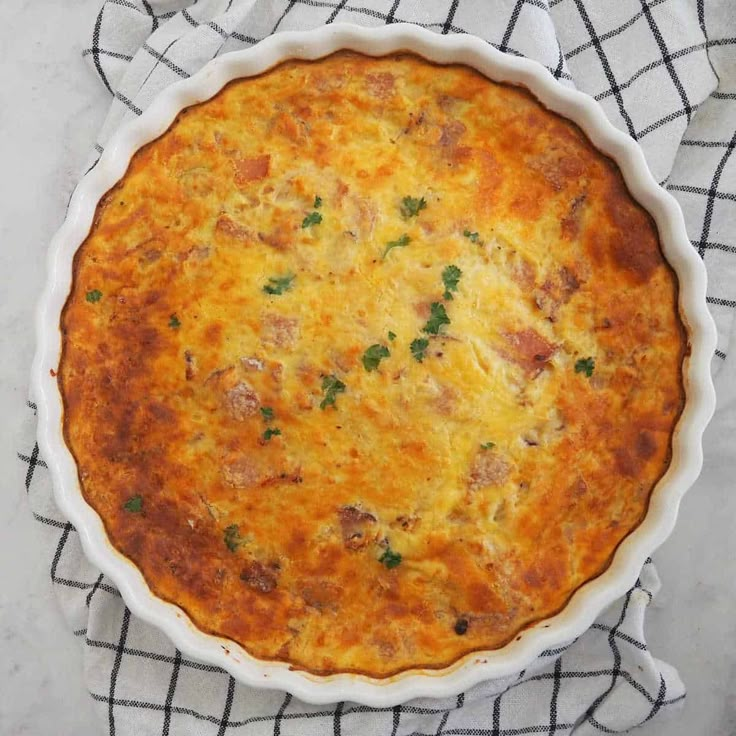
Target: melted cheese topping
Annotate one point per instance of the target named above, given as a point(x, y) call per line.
point(241, 452)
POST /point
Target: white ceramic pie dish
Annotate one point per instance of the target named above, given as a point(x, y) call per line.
point(589, 600)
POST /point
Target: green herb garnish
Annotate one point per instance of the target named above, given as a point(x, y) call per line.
point(134, 504)
point(313, 218)
point(418, 348)
point(402, 242)
point(391, 335)
point(373, 356)
point(93, 296)
point(174, 322)
point(271, 432)
point(473, 237)
point(450, 276)
point(487, 445)
point(437, 318)
point(317, 202)
point(232, 537)
point(279, 284)
point(332, 386)
point(585, 365)
point(267, 413)
point(390, 558)
point(411, 206)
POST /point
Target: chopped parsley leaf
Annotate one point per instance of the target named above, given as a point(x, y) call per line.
point(93, 296)
point(267, 413)
point(391, 335)
point(279, 284)
point(402, 242)
point(271, 432)
point(411, 206)
point(233, 540)
point(134, 504)
point(317, 202)
point(450, 276)
point(373, 356)
point(437, 318)
point(313, 218)
point(390, 558)
point(174, 322)
point(332, 386)
point(487, 445)
point(473, 237)
point(418, 348)
point(585, 365)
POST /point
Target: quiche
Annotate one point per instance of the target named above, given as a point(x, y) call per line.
point(370, 363)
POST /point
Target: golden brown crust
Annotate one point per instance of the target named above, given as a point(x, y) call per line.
point(345, 515)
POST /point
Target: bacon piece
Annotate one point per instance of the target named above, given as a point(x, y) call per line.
point(279, 331)
point(321, 594)
point(446, 400)
point(251, 363)
point(557, 166)
point(380, 85)
point(259, 577)
point(277, 239)
point(570, 224)
point(251, 169)
point(355, 526)
point(229, 227)
point(528, 349)
point(241, 401)
point(555, 292)
point(241, 473)
point(451, 133)
point(488, 469)
point(191, 365)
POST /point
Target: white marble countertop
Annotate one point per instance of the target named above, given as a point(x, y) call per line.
point(51, 109)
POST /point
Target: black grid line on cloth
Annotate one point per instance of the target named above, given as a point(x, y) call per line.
point(613, 32)
point(116, 670)
point(718, 301)
point(94, 589)
point(130, 105)
point(96, 45)
point(511, 25)
point(287, 10)
point(392, 12)
point(337, 720)
point(105, 52)
point(280, 715)
point(711, 192)
point(334, 13)
point(162, 59)
point(170, 694)
point(396, 720)
point(450, 17)
point(225, 719)
point(710, 202)
point(555, 693)
point(646, 9)
point(131, 6)
point(598, 46)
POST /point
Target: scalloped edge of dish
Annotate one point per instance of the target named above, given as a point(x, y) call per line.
point(590, 599)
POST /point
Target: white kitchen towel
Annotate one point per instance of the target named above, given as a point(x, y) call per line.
point(665, 72)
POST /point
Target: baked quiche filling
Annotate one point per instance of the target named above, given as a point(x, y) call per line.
point(370, 363)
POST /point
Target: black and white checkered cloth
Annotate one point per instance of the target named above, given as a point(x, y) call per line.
point(665, 72)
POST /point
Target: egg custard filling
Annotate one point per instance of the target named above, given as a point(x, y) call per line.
point(370, 363)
